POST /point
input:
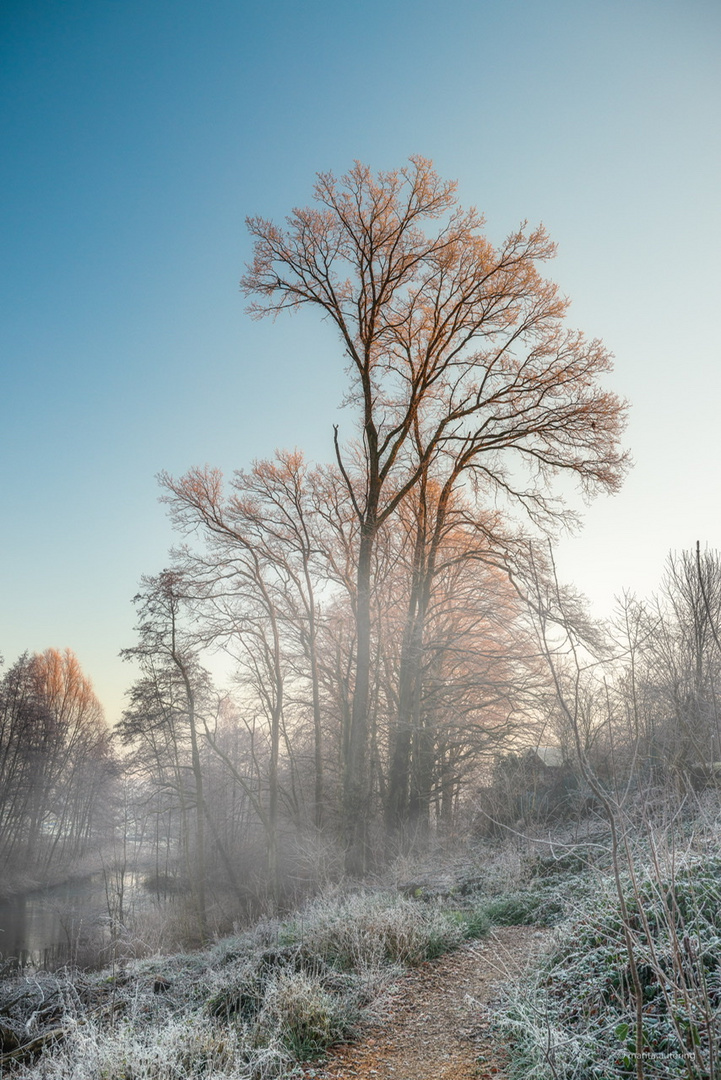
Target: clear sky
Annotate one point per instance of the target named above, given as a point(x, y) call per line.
point(136, 135)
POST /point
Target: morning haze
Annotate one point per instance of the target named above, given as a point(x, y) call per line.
point(360, 587)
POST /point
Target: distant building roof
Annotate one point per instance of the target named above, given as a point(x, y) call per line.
point(552, 756)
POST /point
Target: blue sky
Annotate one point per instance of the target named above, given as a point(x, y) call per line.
point(137, 135)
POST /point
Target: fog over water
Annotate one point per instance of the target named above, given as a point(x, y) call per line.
point(46, 927)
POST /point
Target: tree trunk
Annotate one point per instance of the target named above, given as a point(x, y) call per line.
point(400, 769)
point(355, 779)
point(198, 864)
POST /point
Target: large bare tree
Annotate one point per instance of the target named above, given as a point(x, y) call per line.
point(458, 360)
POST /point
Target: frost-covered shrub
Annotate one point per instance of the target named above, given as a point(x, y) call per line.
point(581, 1020)
point(184, 1046)
point(366, 930)
point(304, 1016)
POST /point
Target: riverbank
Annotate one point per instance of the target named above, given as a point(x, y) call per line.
point(255, 1004)
point(262, 1001)
point(17, 880)
point(79, 914)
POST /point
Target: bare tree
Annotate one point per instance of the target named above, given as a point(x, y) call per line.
point(679, 667)
point(163, 644)
point(255, 586)
point(54, 758)
point(458, 360)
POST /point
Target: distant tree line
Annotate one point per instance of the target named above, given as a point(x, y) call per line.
point(55, 762)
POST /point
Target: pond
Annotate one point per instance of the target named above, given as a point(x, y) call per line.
point(61, 924)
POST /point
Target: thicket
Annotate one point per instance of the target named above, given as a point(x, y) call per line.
point(579, 1020)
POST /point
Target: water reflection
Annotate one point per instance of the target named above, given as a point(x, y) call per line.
point(62, 924)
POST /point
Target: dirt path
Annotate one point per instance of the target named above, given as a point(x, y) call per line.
point(435, 1028)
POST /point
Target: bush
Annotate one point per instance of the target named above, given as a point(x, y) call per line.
point(303, 1015)
point(366, 931)
point(582, 1021)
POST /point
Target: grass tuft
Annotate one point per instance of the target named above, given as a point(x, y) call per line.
point(579, 1019)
